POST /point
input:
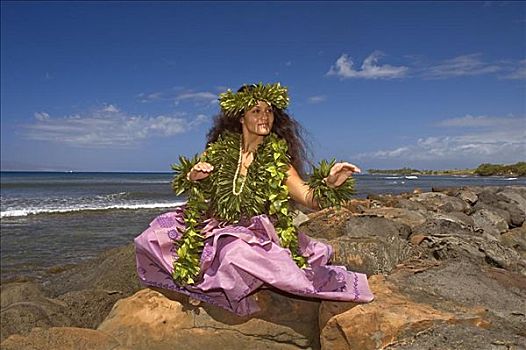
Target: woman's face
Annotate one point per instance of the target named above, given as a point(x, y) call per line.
point(259, 119)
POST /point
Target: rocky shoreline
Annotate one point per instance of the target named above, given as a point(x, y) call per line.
point(448, 269)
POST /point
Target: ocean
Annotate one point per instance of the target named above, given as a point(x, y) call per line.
point(53, 219)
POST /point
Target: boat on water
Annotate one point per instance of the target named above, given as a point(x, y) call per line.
point(411, 177)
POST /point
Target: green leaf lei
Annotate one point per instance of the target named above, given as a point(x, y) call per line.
point(329, 196)
point(264, 192)
point(234, 103)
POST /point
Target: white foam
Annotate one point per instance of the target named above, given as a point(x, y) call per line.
point(36, 211)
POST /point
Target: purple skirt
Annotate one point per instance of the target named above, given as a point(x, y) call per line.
point(239, 259)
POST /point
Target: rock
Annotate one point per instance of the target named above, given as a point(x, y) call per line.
point(91, 288)
point(513, 195)
point(403, 203)
point(501, 293)
point(478, 190)
point(114, 270)
point(441, 225)
point(381, 200)
point(24, 307)
point(88, 308)
point(516, 239)
point(489, 222)
point(62, 338)
point(371, 245)
point(410, 218)
point(78, 297)
point(436, 201)
point(370, 255)
point(507, 199)
point(450, 281)
point(389, 318)
point(450, 191)
point(464, 220)
point(150, 320)
point(476, 249)
point(368, 244)
point(19, 292)
point(466, 283)
point(453, 336)
point(326, 223)
point(495, 210)
point(467, 196)
point(358, 205)
point(374, 226)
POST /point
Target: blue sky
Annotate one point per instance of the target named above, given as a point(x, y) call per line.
point(128, 86)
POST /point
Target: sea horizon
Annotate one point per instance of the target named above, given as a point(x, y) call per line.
point(171, 172)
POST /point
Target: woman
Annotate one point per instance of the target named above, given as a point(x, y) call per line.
point(236, 234)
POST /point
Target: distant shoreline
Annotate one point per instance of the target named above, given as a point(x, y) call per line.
point(510, 170)
point(85, 172)
point(422, 172)
point(440, 173)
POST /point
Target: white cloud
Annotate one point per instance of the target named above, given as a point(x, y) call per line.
point(518, 73)
point(41, 116)
point(317, 99)
point(154, 96)
point(370, 68)
point(459, 66)
point(206, 97)
point(469, 121)
point(110, 109)
point(464, 65)
point(476, 140)
point(177, 96)
point(107, 127)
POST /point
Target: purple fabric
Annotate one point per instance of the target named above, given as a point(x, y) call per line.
point(237, 260)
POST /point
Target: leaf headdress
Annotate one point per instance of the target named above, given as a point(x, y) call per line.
point(234, 103)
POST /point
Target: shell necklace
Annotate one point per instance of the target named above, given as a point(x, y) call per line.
point(235, 192)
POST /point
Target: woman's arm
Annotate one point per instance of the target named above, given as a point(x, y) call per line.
point(299, 190)
point(302, 193)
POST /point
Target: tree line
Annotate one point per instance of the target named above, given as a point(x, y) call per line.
point(485, 169)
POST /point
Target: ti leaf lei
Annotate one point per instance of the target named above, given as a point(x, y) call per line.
point(264, 192)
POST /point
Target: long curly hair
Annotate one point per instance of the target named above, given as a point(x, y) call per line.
point(285, 127)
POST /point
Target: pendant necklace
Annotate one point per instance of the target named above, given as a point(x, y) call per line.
point(236, 175)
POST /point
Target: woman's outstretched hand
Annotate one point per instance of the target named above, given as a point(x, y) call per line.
point(340, 172)
point(200, 171)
